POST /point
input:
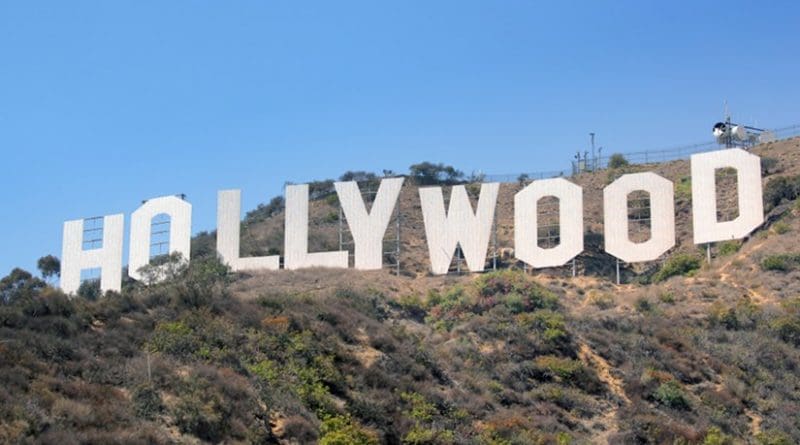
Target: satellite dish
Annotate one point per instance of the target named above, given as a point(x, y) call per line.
point(739, 132)
point(719, 129)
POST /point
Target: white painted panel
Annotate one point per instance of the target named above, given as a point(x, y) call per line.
point(368, 228)
point(108, 257)
point(460, 225)
point(570, 221)
point(180, 231)
point(229, 214)
point(296, 238)
point(707, 228)
point(662, 217)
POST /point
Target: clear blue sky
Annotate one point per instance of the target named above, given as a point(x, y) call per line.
point(103, 104)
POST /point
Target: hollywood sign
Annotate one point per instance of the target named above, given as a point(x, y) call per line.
point(445, 229)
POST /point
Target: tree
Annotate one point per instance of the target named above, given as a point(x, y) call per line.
point(90, 290)
point(19, 284)
point(49, 266)
point(617, 160)
point(264, 211)
point(426, 173)
point(358, 176)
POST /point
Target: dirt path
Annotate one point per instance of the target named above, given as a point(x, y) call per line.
point(614, 384)
point(755, 421)
point(725, 277)
point(603, 368)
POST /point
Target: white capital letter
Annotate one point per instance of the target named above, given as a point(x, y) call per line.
point(108, 257)
point(368, 228)
point(570, 222)
point(461, 226)
point(662, 217)
point(296, 241)
point(180, 231)
point(707, 228)
point(229, 209)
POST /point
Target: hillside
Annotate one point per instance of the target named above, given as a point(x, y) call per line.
point(683, 352)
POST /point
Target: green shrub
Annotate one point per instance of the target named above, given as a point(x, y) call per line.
point(343, 430)
point(773, 437)
point(412, 305)
point(769, 166)
point(331, 217)
point(551, 324)
point(744, 315)
point(683, 189)
point(643, 305)
point(781, 262)
point(666, 297)
point(524, 293)
point(788, 328)
point(726, 248)
point(566, 371)
point(781, 227)
point(715, 436)
point(175, 338)
point(671, 394)
point(420, 410)
point(420, 435)
point(781, 188)
point(146, 401)
point(680, 264)
point(601, 300)
point(202, 413)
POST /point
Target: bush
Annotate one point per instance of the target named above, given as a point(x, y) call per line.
point(617, 160)
point(667, 297)
point(601, 300)
point(781, 227)
point(773, 437)
point(343, 430)
point(769, 166)
point(680, 264)
point(566, 371)
point(523, 292)
point(788, 328)
point(671, 394)
point(175, 338)
point(715, 436)
point(779, 189)
point(551, 324)
point(146, 402)
point(643, 305)
point(201, 413)
point(726, 248)
point(780, 262)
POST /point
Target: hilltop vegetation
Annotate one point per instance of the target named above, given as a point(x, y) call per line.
point(687, 353)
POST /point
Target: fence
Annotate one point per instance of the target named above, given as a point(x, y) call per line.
point(638, 157)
